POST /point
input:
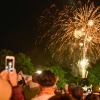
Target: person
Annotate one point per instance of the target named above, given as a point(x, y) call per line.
point(5, 90)
point(21, 80)
point(95, 89)
point(70, 88)
point(32, 88)
point(77, 93)
point(58, 90)
point(66, 88)
point(47, 81)
point(11, 77)
point(92, 97)
point(60, 97)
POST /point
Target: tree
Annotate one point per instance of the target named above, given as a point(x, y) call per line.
point(24, 63)
point(94, 76)
point(58, 72)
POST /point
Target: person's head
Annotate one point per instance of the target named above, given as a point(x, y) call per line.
point(61, 97)
point(70, 87)
point(95, 88)
point(77, 92)
point(5, 90)
point(34, 77)
point(46, 78)
point(92, 97)
point(32, 80)
point(29, 79)
point(66, 88)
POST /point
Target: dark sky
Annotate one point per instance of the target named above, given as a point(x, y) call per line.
point(18, 18)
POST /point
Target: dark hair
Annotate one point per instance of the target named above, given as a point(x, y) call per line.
point(95, 88)
point(70, 87)
point(34, 77)
point(61, 97)
point(92, 97)
point(77, 92)
point(46, 78)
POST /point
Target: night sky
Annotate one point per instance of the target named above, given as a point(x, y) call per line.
point(18, 19)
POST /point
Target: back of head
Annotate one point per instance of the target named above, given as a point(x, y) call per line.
point(70, 87)
point(95, 88)
point(77, 92)
point(5, 90)
point(61, 97)
point(46, 78)
point(92, 97)
point(34, 77)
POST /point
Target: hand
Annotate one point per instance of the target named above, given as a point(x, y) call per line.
point(13, 78)
point(21, 73)
point(4, 75)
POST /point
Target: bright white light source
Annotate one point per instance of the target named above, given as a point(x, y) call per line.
point(81, 44)
point(83, 62)
point(90, 23)
point(78, 33)
point(82, 29)
point(39, 72)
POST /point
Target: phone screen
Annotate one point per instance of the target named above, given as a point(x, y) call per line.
point(9, 64)
point(88, 91)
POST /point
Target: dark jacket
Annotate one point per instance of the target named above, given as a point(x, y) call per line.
point(29, 93)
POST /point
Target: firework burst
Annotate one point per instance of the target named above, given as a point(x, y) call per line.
point(74, 33)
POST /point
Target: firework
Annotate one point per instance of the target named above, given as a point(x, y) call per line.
point(74, 33)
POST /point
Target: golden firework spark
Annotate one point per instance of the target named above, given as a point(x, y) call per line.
point(74, 33)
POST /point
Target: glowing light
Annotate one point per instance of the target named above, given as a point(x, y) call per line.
point(81, 44)
point(74, 33)
point(82, 29)
point(83, 62)
point(83, 65)
point(90, 23)
point(78, 33)
point(39, 72)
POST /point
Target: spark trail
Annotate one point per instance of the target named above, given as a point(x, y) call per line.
point(74, 33)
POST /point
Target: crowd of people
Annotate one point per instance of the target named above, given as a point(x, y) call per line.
point(17, 86)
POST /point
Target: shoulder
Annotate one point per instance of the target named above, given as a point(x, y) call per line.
point(43, 97)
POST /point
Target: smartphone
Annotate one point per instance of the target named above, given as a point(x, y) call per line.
point(88, 90)
point(9, 63)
